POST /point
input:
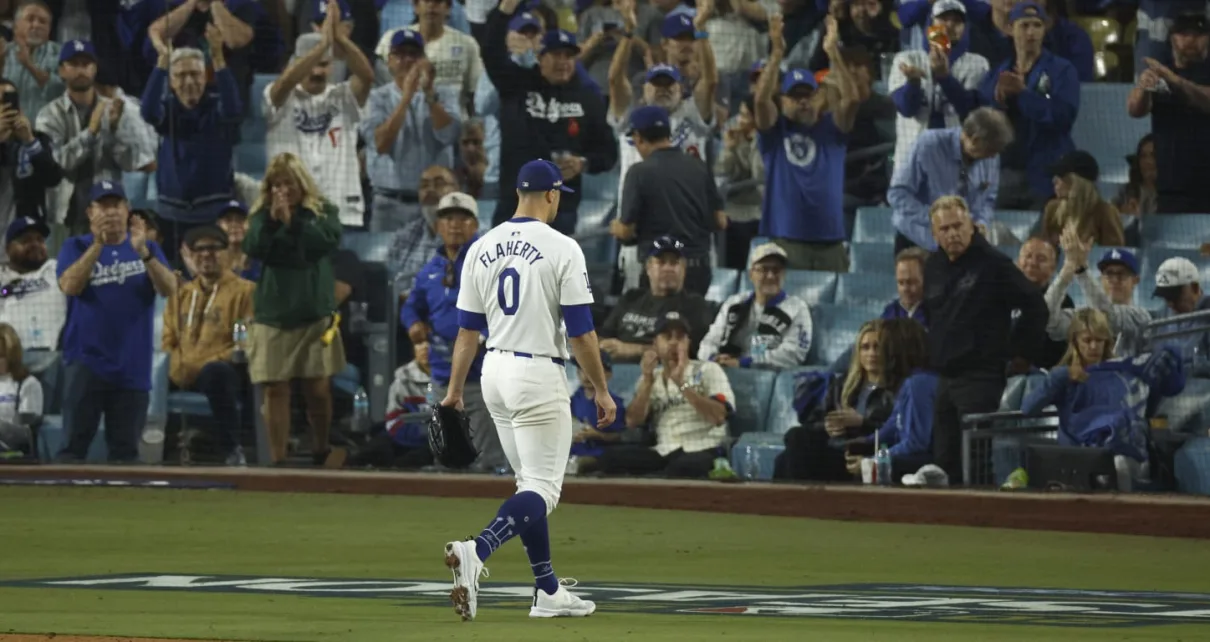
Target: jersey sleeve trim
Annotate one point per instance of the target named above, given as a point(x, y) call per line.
point(472, 320)
point(578, 319)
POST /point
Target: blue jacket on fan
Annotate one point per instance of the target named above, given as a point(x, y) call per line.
point(434, 300)
point(1109, 410)
point(909, 429)
point(195, 172)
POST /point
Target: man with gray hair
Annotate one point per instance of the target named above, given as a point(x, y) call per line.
point(199, 128)
point(963, 162)
point(317, 120)
point(31, 59)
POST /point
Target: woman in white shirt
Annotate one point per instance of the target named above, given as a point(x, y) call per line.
point(20, 394)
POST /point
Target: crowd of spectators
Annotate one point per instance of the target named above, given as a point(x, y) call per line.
point(725, 120)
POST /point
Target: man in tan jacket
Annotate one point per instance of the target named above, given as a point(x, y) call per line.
point(199, 339)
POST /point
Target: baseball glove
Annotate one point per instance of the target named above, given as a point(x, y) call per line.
point(450, 437)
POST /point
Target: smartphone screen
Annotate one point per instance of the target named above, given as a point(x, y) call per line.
point(12, 101)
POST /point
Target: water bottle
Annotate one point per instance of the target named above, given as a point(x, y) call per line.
point(361, 411)
point(429, 401)
point(35, 334)
point(358, 317)
point(758, 347)
point(239, 335)
point(882, 464)
point(751, 463)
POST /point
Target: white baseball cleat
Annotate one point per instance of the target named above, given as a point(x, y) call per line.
point(561, 604)
point(466, 566)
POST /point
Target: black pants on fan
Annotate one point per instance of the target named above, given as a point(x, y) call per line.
point(971, 392)
point(626, 459)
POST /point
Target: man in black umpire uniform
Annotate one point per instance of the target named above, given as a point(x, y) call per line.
point(972, 293)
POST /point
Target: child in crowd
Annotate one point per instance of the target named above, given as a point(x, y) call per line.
point(587, 440)
point(20, 397)
point(397, 443)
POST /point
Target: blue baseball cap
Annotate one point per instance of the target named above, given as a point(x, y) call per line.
point(73, 48)
point(20, 225)
point(1026, 10)
point(606, 361)
point(405, 37)
point(321, 11)
point(235, 205)
point(1116, 256)
point(663, 70)
point(104, 189)
point(649, 116)
point(672, 320)
point(677, 25)
point(757, 66)
point(541, 176)
point(666, 243)
point(523, 20)
point(559, 39)
point(796, 78)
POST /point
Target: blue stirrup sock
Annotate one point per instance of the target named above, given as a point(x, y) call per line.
point(516, 516)
point(536, 541)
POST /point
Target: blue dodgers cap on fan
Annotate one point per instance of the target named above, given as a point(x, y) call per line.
point(556, 39)
point(670, 321)
point(1026, 10)
point(235, 205)
point(541, 176)
point(104, 189)
point(1115, 256)
point(677, 25)
point(649, 116)
point(663, 70)
point(20, 225)
point(321, 11)
point(405, 37)
point(73, 48)
point(666, 243)
point(798, 77)
point(523, 20)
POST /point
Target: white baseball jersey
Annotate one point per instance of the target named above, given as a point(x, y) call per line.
point(690, 132)
point(322, 131)
point(518, 275)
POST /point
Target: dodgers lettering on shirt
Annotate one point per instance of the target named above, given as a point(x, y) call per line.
point(523, 249)
point(109, 324)
point(804, 185)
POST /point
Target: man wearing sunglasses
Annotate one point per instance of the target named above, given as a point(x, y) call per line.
point(431, 316)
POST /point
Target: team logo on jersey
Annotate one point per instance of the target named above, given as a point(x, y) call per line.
point(800, 149)
point(24, 287)
point(551, 110)
point(309, 124)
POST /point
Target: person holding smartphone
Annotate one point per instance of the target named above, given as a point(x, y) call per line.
point(27, 165)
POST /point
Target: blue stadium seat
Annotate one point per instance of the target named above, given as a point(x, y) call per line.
point(250, 158)
point(254, 130)
point(625, 380)
point(782, 416)
point(756, 242)
point(189, 404)
point(601, 249)
point(835, 329)
point(873, 225)
point(487, 208)
point(347, 380)
point(872, 258)
point(1020, 222)
point(257, 96)
point(157, 336)
point(603, 187)
point(1181, 231)
point(593, 216)
point(368, 247)
point(1188, 411)
point(1011, 251)
point(140, 189)
point(723, 283)
point(753, 389)
point(866, 288)
point(1192, 466)
point(1105, 130)
point(813, 287)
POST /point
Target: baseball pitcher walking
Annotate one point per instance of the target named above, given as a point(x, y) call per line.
point(526, 286)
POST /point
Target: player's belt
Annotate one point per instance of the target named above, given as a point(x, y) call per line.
point(526, 355)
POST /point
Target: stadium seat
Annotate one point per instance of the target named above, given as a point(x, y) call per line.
point(873, 225)
point(256, 96)
point(754, 455)
point(487, 209)
point(1105, 130)
point(782, 416)
point(1019, 222)
point(1180, 231)
point(601, 249)
point(1191, 466)
point(157, 336)
point(865, 288)
point(872, 258)
point(625, 380)
point(348, 380)
point(368, 247)
point(723, 283)
point(813, 287)
point(1187, 412)
point(603, 187)
point(250, 158)
point(753, 389)
point(835, 329)
point(594, 216)
point(188, 404)
point(253, 129)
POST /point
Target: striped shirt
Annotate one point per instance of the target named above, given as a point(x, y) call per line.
point(935, 168)
point(33, 97)
point(677, 424)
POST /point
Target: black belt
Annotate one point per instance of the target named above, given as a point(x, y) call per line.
point(398, 195)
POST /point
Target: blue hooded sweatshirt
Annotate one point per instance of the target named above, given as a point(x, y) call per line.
point(434, 301)
point(1109, 409)
point(909, 429)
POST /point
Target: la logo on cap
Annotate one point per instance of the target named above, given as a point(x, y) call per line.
point(798, 75)
point(106, 185)
point(673, 315)
point(524, 183)
point(1115, 255)
point(79, 45)
point(563, 37)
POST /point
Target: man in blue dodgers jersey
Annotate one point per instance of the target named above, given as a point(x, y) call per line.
point(431, 316)
point(517, 281)
point(803, 145)
point(111, 278)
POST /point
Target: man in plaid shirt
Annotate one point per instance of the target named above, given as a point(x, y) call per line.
point(684, 402)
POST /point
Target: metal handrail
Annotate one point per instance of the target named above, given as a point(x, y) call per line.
point(1200, 315)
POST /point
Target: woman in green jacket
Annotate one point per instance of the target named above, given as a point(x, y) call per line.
point(293, 231)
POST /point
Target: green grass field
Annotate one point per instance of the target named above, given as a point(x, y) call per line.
point(59, 533)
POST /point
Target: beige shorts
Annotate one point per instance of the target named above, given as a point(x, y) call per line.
point(276, 354)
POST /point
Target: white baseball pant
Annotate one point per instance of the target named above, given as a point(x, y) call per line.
point(528, 399)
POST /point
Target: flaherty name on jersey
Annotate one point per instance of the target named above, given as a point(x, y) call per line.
point(523, 249)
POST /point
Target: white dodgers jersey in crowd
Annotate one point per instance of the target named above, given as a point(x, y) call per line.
point(322, 131)
point(689, 132)
point(518, 275)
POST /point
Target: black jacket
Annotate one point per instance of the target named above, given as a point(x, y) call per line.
point(30, 183)
point(538, 118)
point(970, 304)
